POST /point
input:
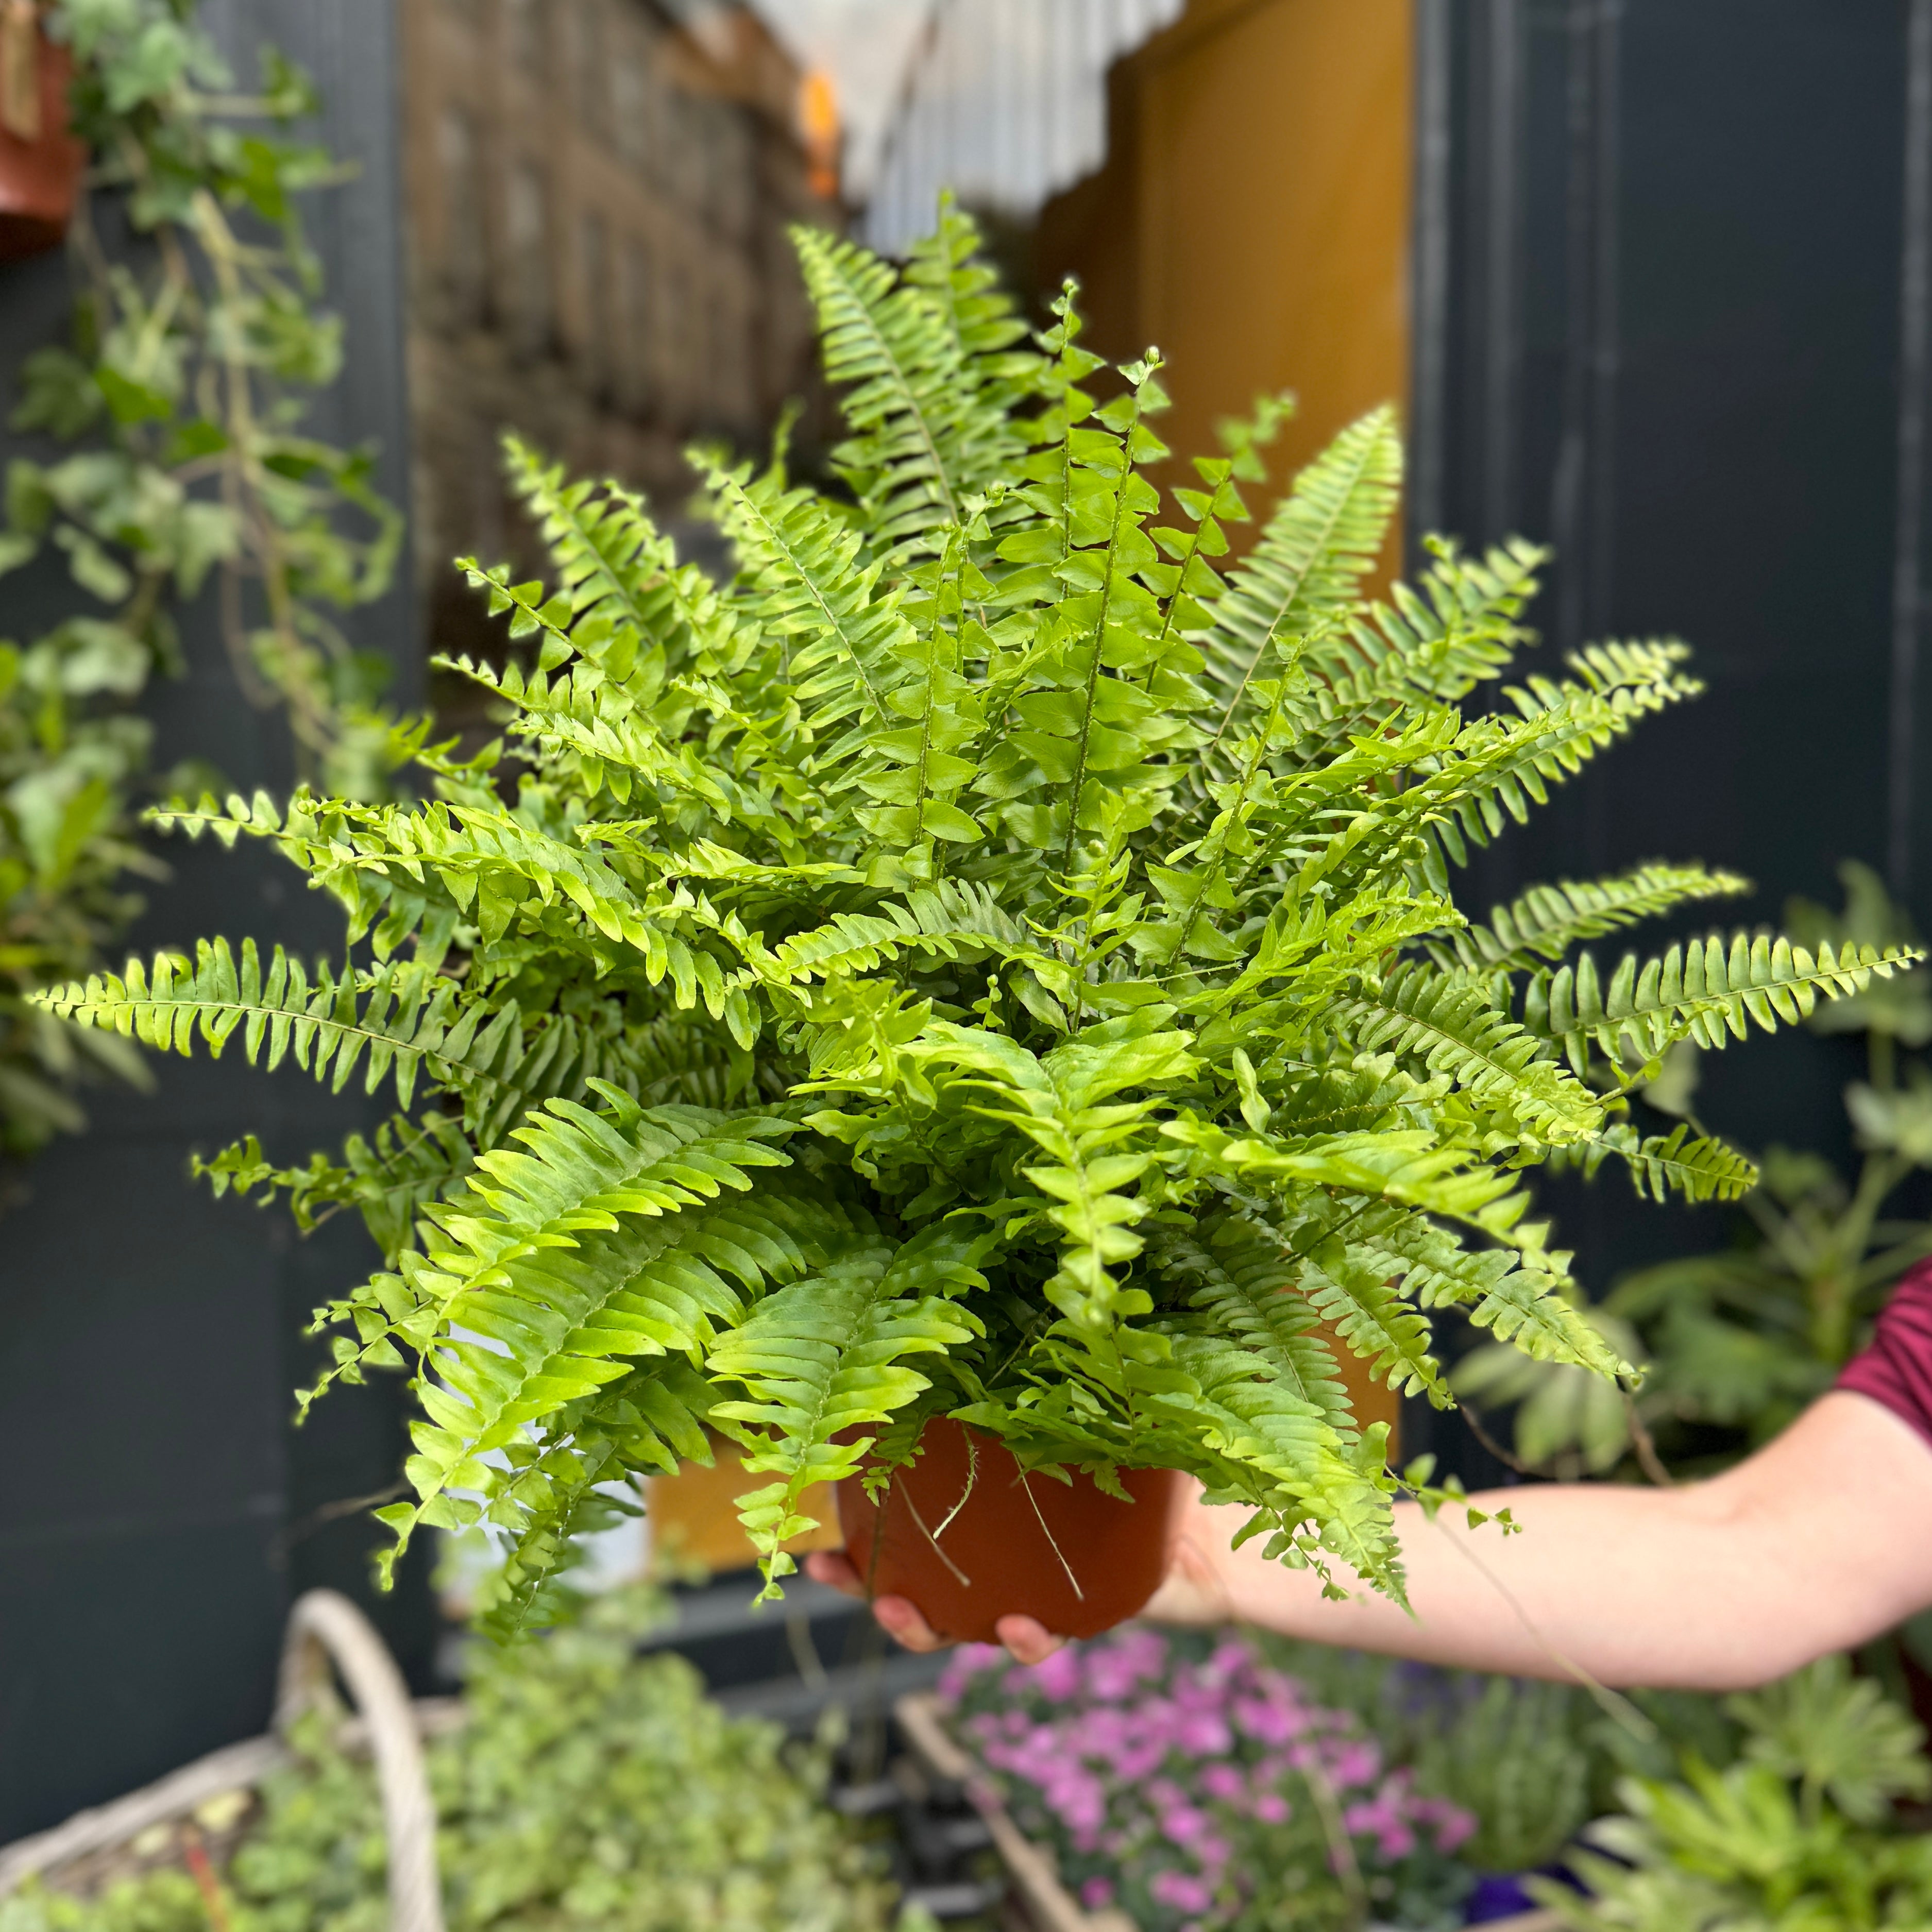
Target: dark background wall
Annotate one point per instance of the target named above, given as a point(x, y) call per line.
point(1660, 326)
point(158, 1511)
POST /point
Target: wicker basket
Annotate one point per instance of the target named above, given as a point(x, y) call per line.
point(1048, 1905)
point(200, 1810)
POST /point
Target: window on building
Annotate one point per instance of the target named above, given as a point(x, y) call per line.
point(465, 259)
point(627, 127)
point(529, 22)
point(526, 252)
point(634, 339)
point(593, 69)
point(594, 247)
point(675, 339)
point(715, 358)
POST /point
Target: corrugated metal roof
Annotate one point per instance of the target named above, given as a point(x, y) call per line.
point(1005, 102)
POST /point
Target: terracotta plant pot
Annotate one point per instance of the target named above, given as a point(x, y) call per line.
point(1078, 1559)
point(40, 161)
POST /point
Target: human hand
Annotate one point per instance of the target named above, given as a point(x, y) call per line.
point(1194, 1591)
point(1028, 1640)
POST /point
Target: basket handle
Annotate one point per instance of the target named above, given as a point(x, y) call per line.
point(326, 1630)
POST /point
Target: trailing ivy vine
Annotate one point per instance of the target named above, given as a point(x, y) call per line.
point(181, 466)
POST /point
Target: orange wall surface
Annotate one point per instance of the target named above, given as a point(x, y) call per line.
point(1253, 220)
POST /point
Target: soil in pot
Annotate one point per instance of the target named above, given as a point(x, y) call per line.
point(969, 1540)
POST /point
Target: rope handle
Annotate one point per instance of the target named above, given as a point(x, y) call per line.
point(328, 1636)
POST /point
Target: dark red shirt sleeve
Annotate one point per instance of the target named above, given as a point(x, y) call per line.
point(1897, 1368)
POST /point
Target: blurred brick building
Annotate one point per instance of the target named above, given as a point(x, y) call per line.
point(597, 193)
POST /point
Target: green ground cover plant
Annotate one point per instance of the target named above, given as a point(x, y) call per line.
point(985, 960)
point(589, 1791)
point(1799, 1833)
point(179, 458)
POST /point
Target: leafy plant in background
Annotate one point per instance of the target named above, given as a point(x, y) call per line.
point(982, 961)
point(587, 1791)
point(180, 395)
point(1797, 1834)
point(1736, 1343)
point(1196, 1787)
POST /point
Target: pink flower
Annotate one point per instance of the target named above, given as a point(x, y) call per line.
point(1096, 1894)
point(1133, 1657)
point(1182, 1891)
point(1357, 1761)
point(1271, 1808)
point(1270, 1721)
point(1057, 1678)
point(1231, 1659)
point(969, 1661)
point(1183, 1825)
point(1224, 1782)
point(1453, 1825)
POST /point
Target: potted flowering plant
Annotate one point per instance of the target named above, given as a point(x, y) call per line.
point(983, 974)
point(1200, 1790)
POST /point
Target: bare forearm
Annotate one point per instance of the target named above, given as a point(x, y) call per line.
point(1819, 1542)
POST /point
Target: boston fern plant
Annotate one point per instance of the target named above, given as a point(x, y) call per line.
point(983, 960)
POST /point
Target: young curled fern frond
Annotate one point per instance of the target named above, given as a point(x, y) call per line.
point(975, 961)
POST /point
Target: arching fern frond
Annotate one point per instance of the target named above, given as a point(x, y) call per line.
point(1696, 1167)
point(1306, 571)
point(1241, 1281)
point(1273, 1452)
point(558, 1266)
point(915, 416)
point(1449, 1023)
point(1707, 992)
point(826, 1357)
point(399, 1018)
point(1544, 923)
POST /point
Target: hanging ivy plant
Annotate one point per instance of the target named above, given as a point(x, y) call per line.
point(198, 338)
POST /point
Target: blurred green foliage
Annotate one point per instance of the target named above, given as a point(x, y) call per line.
point(175, 407)
point(1798, 1834)
point(589, 1791)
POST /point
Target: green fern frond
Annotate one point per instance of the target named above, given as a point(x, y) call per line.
point(825, 1358)
point(802, 568)
point(1695, 1167)
point(1707, 992)
point(917, 419)
point(388, 1180)
point(1450, 1024)
point(559, 1267)
point(1306, 571)
point(1243, 1283)
point(1545, 923)
point(1271, 1451)
point(401, 1016)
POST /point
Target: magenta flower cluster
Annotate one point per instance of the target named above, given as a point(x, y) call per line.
point(1185, 1787)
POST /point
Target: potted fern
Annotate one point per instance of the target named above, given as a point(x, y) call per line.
point(983, 977)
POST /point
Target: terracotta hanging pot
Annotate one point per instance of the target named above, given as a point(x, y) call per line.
point(40, 161)
point(1076, 1558)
